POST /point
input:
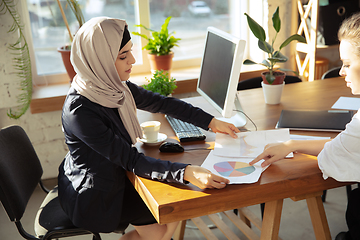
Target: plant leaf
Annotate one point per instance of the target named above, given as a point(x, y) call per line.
point(140, 25)
point(76, 9)
point(141, 35)
point(274, 60)
point(256, 29)
point(270, 78)
point(164, 27)
point(276, 20)
point(263, 63)
point(278, 54)
point(161, 42)
point(278, 57)
point(22, 62)
point(249, 62)
point(161, 83)
point(292, 38)
point(266, 64)
point(266, 47)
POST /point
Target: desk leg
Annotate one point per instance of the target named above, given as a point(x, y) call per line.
point(318, 218)
point(271, 221)
point(180, 231)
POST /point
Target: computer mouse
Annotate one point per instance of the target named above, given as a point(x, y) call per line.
point(171, 147)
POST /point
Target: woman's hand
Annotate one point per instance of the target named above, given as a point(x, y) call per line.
point(273, 152)
point(277, 151)
point(223, 127)
point(203, 178)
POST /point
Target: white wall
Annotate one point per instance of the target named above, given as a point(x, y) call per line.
point(44, 129)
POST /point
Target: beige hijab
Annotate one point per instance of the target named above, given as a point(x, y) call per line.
point(93, 54)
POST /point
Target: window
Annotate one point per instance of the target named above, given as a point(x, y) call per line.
point(190, 20)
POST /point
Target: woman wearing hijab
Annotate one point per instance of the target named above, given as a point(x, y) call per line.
point(100, 126)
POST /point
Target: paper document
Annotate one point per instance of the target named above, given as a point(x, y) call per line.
point(349, 103)
point(248, 144)
point(237, 170)
point(230, 157)
point(306, 137)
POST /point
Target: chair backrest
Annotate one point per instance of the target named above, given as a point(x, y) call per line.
point(334, 72)
point(256, 82)
point(249, 83)
point(20, 171)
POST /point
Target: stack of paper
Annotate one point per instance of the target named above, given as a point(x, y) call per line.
point(230, 157)
point(350, 103)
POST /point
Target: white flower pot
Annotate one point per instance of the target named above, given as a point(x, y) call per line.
point(272, 93)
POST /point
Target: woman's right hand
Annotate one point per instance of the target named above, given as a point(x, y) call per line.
point(203, 178)
point(276, 151)
point(273, 152)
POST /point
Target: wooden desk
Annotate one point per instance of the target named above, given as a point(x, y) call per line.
point(297, 178)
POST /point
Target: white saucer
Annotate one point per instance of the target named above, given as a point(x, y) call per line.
point(161, 138)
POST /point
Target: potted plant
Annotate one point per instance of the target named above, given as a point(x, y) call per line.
point(65, 50)
point(161, 83)
point(159, 46)
point(272, 76)
point(21, 61)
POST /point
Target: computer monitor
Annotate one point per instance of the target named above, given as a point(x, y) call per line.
point(220, 72)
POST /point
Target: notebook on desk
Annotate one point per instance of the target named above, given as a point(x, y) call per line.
point(324, 120)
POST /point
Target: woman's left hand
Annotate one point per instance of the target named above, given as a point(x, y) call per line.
point(203, 178)
point(223, 127)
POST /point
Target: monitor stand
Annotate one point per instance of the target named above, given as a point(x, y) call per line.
point(238, 118)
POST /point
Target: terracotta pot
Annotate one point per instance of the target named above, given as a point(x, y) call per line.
point(65, 55)
point(279, 77)
point(163, 62)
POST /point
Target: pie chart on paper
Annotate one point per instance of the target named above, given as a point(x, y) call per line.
point(233, 169)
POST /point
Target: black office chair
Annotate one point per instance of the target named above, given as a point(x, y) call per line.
point(256, 82)
point(20, 172)
point(334, 72)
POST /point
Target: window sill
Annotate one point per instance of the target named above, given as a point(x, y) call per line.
point(51, 98)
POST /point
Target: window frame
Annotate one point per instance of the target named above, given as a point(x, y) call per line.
point(142, 15)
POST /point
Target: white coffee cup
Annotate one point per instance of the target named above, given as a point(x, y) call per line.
point(151, 130)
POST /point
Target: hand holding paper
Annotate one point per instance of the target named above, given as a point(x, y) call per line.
point(248, 144)
point(237, 170)
point(231, 157)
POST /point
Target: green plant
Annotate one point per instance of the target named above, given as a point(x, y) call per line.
point(76, 9)
point(21, 60)
point(274, 56)
point(161, 41)
point(161, 83)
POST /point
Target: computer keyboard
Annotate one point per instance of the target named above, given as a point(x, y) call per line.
point(186, 132)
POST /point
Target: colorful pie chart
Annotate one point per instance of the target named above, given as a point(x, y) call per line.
point(233, 169)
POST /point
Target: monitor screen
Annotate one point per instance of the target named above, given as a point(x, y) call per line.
point(220, 72)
